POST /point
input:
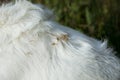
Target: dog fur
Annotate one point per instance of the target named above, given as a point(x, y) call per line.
point(35, 47)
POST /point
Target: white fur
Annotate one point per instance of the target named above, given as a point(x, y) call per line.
point(34, 47)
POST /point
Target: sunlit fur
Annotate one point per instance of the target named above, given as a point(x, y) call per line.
point(35, 47)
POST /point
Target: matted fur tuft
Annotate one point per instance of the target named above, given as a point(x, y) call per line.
point(35, 47)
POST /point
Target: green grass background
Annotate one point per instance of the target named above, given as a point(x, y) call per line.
point(97, 18)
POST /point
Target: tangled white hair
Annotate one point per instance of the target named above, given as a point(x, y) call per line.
point(35, 47)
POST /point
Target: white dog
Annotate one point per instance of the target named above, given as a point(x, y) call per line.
point(34, 47)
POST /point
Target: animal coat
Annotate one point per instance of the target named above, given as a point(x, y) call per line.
point(35, 47)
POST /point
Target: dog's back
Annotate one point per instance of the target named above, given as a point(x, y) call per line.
point(34, 47)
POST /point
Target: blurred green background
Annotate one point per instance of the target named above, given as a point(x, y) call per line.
point(97, 18)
